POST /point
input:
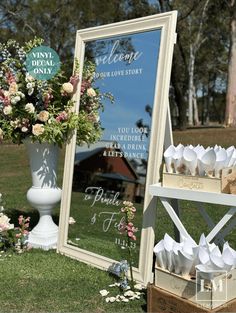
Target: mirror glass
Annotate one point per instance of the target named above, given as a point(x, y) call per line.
point(114, 169)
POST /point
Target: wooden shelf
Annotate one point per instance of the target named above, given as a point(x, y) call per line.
point(192, 195)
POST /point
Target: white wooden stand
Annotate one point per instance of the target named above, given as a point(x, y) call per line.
point(166, 195)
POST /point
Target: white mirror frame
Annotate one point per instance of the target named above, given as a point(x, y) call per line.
point(166, 22)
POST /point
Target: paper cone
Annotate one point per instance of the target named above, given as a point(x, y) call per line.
point(217, 262)
point(230, 152)
point(233, 252)
point(190, 160)
point(221, 160)
point(232, 159)
point(202, 240)
point(168, 246)
point(188, 245)
point(199, 150)
point(228, 259)
point(176, 261)
point(168, 155)
point(186, 262)
point(208, 161)
point(203, 255)
point(160, 254)
point(178, 161)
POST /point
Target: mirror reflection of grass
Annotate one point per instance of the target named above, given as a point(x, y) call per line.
point(97, 229)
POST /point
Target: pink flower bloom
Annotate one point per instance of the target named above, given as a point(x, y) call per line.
point(130, 234)
point(85, 85)
point(63, 116)
point(20, 219)
point(10, 78)
point(18, 235)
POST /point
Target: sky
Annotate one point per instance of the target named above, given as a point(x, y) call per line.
point(131, 82)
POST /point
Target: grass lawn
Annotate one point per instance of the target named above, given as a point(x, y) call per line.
point(39, 281)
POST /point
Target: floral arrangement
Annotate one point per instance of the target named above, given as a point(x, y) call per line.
point(42, 110)
point(128, 229)
point(12, 237)
point(120, 269)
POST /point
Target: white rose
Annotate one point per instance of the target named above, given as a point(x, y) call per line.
point(37, 129)
point(29, 85)
point(29, 107)
point(29, 78)
point(24, 129)
point(67, 87)
point(4, 223)
point(30, 91)
point(16, 123)
point(19, 93)
point(91, 92)
point(43, 116)
point(15, 99)
point(13, 88)
point(7, 110)
point(72, 220)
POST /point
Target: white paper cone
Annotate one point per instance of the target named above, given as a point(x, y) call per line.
point(203, 255)
point(186, 262)
point(168, 155)
point(221, 160)
point(202, 240)
point(190, 160)
point(168, 246)
point(199, 150)
point(208, 161)
point(229, 152)
point(188, 245)
point(160, 254)
point(180, 148)
point(232, 159)
point(176, 261)
point(217, 262)
point(233, 252)
point(228, 259)
point(178, 159)
point(216, 148)
point(200, 168)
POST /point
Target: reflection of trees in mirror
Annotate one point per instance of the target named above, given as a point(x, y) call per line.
point(141, 125)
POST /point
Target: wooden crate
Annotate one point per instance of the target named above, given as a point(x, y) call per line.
point(161, 301)
point(209, 295)
point(225, 184)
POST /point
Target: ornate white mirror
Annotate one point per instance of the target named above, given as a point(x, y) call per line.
point(132, 61)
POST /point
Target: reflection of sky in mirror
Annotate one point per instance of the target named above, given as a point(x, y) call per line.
point(132, 85)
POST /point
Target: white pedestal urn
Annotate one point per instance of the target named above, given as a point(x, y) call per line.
point(44, 193)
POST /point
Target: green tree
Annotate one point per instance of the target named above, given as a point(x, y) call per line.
point(230, 112)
